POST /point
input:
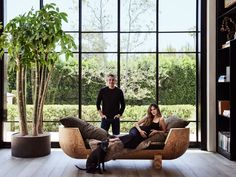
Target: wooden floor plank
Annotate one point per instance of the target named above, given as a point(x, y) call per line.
point(49, 165)
point(60, 165)
point(16, 167)
point(32, 167)
point(194, 163)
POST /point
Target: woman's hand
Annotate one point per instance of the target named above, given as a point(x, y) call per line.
point(153, 132)
point(143, 134)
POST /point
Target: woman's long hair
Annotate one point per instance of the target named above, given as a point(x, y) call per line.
point(150, 117)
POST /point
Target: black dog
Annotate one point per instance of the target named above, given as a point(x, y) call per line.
point(96, 158)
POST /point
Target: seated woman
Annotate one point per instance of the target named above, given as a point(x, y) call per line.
point(144, 128)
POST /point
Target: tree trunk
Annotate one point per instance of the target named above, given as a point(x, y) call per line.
point(41, 96)
point(36, 100)
point(21, 98)
point(46, 78)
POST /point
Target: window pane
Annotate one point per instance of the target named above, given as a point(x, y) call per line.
point(138, 42)
point(99, 42)
point(193, 133)
point(99, 15)
point(177, 42)
point(138, 15)
point(72, 9)
point(63, 85)
point(138, 78)
point(76, 40)
point(177, 86)
point(177, 15)
point(9, 129)
point(199, 43)
point(15, 8)
point(13, 127)
point(95, 67)
point(177, 79)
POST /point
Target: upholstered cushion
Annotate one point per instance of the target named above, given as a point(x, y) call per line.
point(88, 131)
point(158, 137)
point(175, 122)
point(116, 148)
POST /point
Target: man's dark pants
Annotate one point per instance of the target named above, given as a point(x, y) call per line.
point(115, 123)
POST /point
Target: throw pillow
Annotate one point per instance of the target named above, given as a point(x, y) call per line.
point(93, 143)
point(175, 122)
point(115, 149)
point(88, 131)
point(158, 137)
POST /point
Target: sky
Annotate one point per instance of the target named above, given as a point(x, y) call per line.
point(173, 16)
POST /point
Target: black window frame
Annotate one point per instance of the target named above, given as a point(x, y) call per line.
point(200, 66)
point(1, 79)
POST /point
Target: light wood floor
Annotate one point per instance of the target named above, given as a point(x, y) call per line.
point(194, 163)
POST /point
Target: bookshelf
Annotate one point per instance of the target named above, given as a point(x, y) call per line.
point(226, 80)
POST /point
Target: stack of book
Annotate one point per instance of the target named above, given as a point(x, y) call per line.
point(224, 140)
point(226, 45)
point(222, 106)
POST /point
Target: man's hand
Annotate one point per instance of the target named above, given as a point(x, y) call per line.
point(102, 115)
point(117, 116)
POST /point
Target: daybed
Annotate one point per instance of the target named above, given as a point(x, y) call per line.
point(175, 145)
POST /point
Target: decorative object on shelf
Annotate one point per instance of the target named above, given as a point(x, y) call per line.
point(228, 25)
point(226, 113)
point(222, 78)
point(229, 3)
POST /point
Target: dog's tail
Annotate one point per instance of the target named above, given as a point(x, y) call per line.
point(80, 168)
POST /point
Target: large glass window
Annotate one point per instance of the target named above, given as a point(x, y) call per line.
point(71, 7)
point(152, 46)
point(138, 15)
point(15, 8)
point(177, 15)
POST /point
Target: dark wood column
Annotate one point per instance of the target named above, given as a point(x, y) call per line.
point(1, 82)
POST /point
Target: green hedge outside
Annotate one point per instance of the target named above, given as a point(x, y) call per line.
point(89, 113)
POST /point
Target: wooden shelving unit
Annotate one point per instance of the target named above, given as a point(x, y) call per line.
point(225, 87)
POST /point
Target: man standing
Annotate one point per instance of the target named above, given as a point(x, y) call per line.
point(113, 105)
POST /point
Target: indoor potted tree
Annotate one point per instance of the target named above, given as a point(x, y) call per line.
point(31, 40)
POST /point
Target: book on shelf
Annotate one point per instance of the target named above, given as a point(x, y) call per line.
point(223, 105)
point(226, 45)
point(224, 140)
point(227, 73)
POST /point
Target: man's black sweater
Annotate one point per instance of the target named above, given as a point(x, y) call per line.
point(112, 101)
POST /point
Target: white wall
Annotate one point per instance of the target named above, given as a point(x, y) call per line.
point(211, 75)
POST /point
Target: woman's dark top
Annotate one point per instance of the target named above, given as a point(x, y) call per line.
point(133, 139)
